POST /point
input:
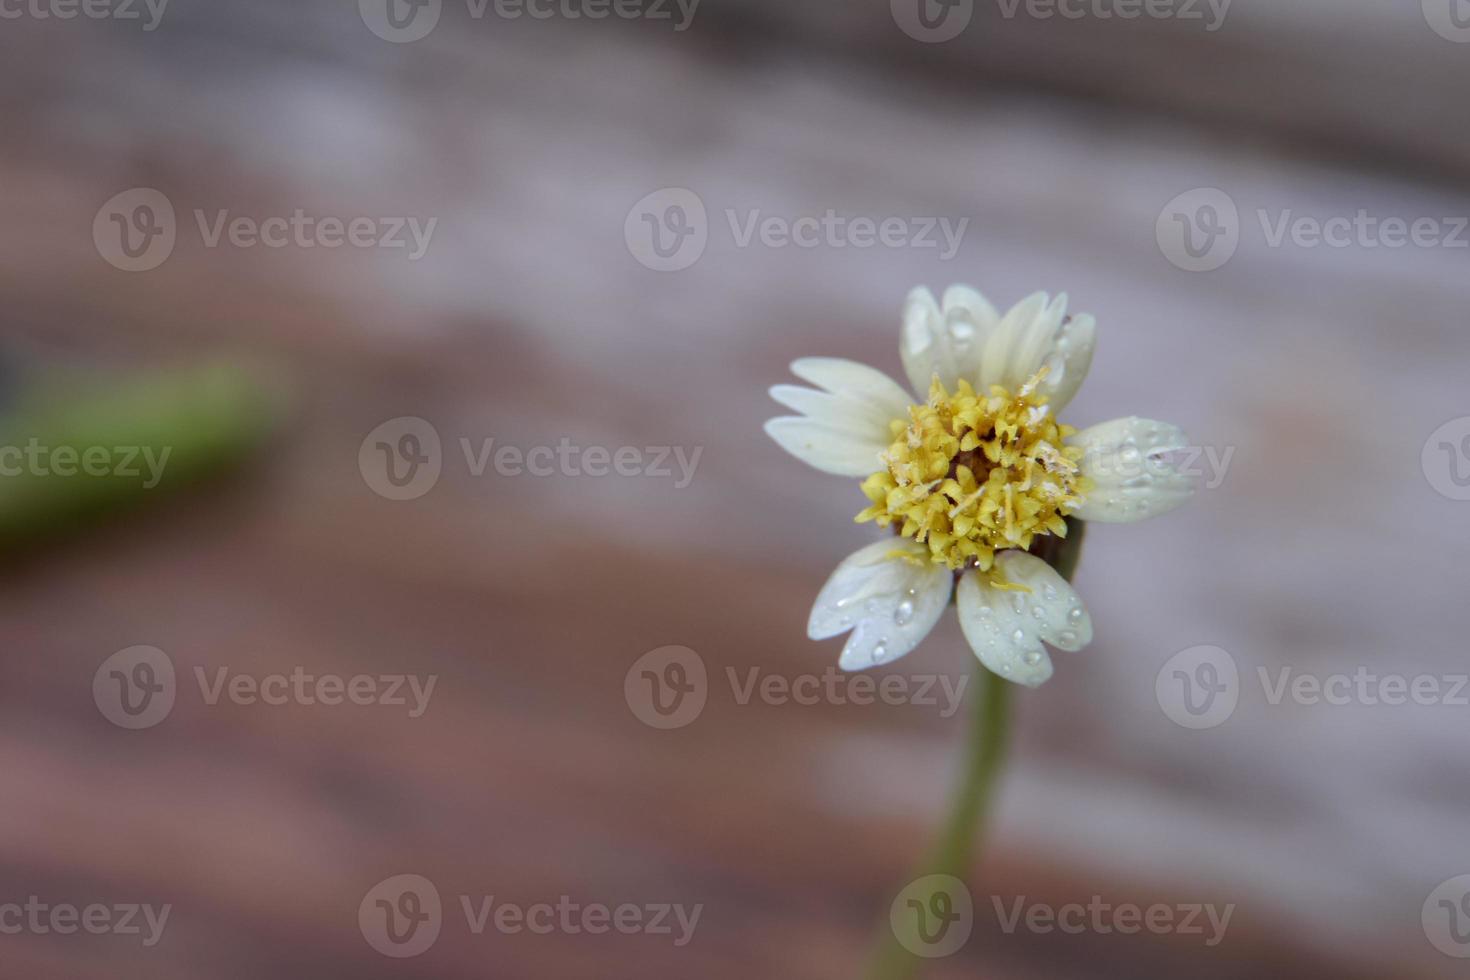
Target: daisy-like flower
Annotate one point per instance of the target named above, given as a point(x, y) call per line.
point(975, 476)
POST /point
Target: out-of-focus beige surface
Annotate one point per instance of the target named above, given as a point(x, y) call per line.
point(1318, 372)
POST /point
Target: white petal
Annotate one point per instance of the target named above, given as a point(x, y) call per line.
point(1036, 333)
point(995, 358)
point(854, 380)
point(944, 340)
point(837, 411)
point(1067, 360)
point(1006, 628)
point(1133, 474)
point(827, 448)
point(845, 427)
point(888, 602)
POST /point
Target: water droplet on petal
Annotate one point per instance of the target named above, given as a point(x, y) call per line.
point(904, 613)
point(1074, 615)
point(1032, 658)
point(1019, 636)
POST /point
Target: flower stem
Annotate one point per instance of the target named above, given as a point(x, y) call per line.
point(954, 849)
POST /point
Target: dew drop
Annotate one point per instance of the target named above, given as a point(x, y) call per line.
point(1074, 615)
point(904, 613)
point(1032, 658)
point(1068, 637)
point(880, 651)
point(1018, 636)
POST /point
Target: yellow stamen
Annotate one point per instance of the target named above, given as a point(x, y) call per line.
point(972, 474)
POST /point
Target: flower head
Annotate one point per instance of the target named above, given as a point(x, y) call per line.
point(972, 477)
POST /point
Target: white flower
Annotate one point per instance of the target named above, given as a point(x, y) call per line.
point(971, 475)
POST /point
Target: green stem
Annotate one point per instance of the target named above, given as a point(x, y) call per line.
point(953, 851)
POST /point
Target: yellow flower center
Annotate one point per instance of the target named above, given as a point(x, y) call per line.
point(972, 474)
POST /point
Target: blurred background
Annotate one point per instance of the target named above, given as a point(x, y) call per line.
point(351, 275)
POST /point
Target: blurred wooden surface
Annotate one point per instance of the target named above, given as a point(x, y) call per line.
point(529, 321)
